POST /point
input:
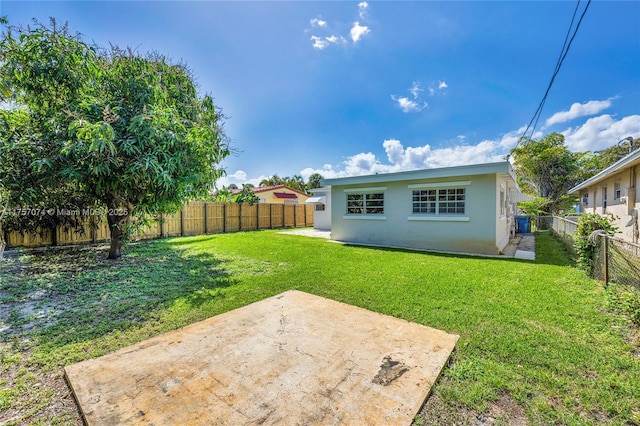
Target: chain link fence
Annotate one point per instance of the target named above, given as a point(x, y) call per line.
point(617, 261)
point(562, 227)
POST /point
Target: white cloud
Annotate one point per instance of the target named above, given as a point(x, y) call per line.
point(441, 86)
point(238, 178)
point(323, 42)
point(316, 22)
point(319, 43)
point(419, 157)
point(357, 31)
point(413, 104)
point(362, 9)
point(578, 110)
point(409, 105)
point(594, 134)
point(416, 89)
point(601, 132)
point(335, 39)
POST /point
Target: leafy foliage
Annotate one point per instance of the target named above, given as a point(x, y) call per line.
point(536, 207)
point(586, 246)
point(546, 168)
point(626, 300)
point(295, 182)
point(247, 195)
point(127, 131)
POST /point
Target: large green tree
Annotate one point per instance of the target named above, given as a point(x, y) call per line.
point(130, 131)
point(547, 168)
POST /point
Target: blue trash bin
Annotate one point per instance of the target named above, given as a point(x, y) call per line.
point(523, 224)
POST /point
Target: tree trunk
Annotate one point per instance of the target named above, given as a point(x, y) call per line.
point(3, 243)
point(115, 249)
point(118, 224)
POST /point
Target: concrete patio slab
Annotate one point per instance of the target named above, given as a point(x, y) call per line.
point(290, 359)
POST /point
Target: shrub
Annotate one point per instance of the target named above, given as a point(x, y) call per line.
point(626, 300)
point(586, 247)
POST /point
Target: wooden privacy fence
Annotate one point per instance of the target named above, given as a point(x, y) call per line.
point(195, 218)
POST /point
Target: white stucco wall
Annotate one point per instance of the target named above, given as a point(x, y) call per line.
point(474, 232)
point(322, 218)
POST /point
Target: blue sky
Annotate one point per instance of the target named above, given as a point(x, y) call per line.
point(348, 88)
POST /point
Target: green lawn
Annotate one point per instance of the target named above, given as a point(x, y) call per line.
point(537, 341)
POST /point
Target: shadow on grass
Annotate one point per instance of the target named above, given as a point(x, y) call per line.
point(69, 296)
point(549, 251)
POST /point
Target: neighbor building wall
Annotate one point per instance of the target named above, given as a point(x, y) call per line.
point(473, 232)
point(619, 207)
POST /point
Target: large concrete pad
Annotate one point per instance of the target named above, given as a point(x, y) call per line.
point(292, 359)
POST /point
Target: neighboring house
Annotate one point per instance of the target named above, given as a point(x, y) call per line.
point(614, 193)
point(279, 194)
point(321, 200)
point(457, 209)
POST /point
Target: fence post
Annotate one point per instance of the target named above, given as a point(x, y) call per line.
point(206, 218)
point(270, 216)
point(162, 231)
point(54, 236)
point(182, 221)
point(295, 219)
point(605, 252)
point(240, 221)
point(94, 230)
point(224, 218)
point(257, 216)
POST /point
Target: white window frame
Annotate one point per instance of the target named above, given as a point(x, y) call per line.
point(364, 192)
point(617, 191)
point(437, 215)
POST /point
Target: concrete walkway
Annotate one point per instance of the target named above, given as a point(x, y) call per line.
point(523, 246)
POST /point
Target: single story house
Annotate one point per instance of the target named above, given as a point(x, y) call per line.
point(321, 200)
point(279, 194)
point(466, 209)
point(614, 193)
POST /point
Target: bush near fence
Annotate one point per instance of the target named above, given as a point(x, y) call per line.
point(616, 260)
point(195, 218)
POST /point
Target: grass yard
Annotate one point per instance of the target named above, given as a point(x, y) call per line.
point(538, 343)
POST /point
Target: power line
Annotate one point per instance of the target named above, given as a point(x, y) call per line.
point(563, 54)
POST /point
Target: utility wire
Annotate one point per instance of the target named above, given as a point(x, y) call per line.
point(563, 54)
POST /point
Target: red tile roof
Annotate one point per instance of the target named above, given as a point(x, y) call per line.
point(259, 189)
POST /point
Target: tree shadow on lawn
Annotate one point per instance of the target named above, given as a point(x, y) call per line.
point(74, 295)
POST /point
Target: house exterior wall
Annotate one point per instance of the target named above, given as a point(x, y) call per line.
point(322, 218)
point(618, 208)
point(269, 196)
point(473, 232)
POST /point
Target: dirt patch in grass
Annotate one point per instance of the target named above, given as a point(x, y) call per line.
point(26, 390)
point(505, 411)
